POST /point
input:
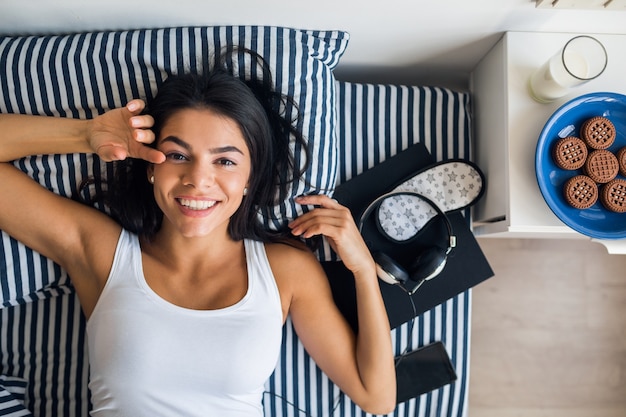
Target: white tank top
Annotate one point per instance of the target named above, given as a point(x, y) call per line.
point(150, 358)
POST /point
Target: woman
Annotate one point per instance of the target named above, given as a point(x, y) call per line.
point(185, 294)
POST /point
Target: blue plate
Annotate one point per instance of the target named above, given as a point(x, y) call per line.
point(596, 221)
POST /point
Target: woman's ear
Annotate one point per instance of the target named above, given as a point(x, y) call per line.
point(150, 172)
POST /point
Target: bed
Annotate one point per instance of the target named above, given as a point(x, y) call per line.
point(351, 126)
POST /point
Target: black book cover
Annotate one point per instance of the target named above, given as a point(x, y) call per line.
point(466, 265)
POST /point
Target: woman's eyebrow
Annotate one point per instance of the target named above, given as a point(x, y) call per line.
point(225, 149)
point(178, 141)
point(222, 149)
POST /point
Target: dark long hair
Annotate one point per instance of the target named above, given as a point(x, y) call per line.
point(258, 110)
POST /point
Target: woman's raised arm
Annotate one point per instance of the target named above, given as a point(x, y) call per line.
point(114, 135)
point(79, 238)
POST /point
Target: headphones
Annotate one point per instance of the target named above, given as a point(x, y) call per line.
point(429, 262)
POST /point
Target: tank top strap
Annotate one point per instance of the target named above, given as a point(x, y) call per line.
point(259, 270)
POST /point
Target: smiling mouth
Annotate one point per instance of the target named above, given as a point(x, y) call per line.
point(196, 204)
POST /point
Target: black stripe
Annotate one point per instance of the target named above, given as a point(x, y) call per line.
point(80, 77)
point(17, 81)
point(30, 89)
point(5, 46)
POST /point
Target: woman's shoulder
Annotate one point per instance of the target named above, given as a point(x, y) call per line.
point(287, 249)
point(291, 257)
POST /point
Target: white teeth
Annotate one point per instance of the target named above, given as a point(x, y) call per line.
point(196, 204)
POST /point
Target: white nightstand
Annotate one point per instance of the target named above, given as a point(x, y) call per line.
point(507, 123)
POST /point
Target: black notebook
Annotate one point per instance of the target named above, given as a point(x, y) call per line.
point(466, 265)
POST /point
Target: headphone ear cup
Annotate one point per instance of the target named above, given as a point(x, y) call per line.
point(388, 270)
point(428, 264)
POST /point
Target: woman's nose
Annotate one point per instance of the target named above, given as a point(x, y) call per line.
point(199, 175)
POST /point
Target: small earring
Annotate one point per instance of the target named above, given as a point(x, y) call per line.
point(245, 191)
point(152, 179)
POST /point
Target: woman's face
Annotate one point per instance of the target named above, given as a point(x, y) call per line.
point(201, 183)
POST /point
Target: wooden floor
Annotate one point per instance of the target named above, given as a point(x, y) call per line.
point(549, 331)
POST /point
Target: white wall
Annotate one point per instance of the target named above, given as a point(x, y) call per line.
point(391, 40)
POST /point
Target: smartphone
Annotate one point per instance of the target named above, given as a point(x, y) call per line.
point(423, 370)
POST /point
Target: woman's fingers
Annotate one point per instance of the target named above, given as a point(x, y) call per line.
point(125, 132)
point(110, 152)
point(136, 106)
point(328, 218)
point(327, 215)
point(142, 123)
point(150, 154)
point(318, 200)
point(335, 222)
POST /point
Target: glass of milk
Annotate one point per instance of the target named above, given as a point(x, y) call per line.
point(583, 58)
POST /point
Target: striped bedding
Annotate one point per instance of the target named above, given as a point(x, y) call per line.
point(42, 331)
point(375, 122)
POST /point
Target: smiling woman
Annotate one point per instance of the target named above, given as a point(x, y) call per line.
point(184, 274)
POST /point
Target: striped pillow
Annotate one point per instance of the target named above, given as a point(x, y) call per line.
point(82, 75)
point(12, 396)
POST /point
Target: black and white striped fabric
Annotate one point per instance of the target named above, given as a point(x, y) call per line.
point(13, 396)
point(42, 338)
point(44, 343)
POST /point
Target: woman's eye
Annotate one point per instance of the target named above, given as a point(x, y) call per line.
point(226, 162)
point(175, 156)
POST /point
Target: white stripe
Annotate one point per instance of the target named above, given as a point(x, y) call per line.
point(428, 107)
point(11, 280)
point(450, 124)
point(22, 94)
point(86, 90)
point(347, 132)
point(47, 78)
point(382, 96)
point(463, 119)
point(144, 65)
point(71, 78)
point(158, 40)
point(439, 124)
point(5, 69)
point(24, 267)
point(360, 122)
point(404, 113)
point(111, 82)
point(97, 77)
point(128, 68)
point(9, 75)
point(58, 65)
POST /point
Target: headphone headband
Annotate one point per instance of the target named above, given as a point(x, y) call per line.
point(378, 201)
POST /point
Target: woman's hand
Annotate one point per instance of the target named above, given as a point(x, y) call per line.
point(122, 133)
point(334, 221)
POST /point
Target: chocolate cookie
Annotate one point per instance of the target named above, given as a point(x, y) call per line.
point(580, 192)
point(598, 132)
point(613, 195)
point(569, 153)
point(601, 166)
point(621, 160)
